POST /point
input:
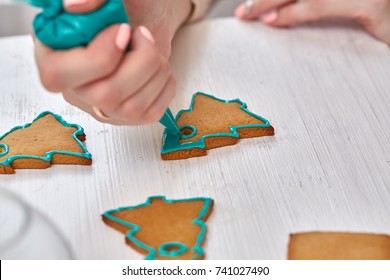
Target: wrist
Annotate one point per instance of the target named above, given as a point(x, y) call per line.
point(182, 10)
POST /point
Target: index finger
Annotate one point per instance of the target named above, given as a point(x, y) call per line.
point(65, 69)
point(257, 8)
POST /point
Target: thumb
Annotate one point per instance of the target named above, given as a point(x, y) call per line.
point(82, 6)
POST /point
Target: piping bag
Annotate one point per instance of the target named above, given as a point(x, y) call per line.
point(61, 30)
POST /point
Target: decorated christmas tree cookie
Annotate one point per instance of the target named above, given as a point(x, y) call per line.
point(209, 123)
point(49, 139)
point(162, 228)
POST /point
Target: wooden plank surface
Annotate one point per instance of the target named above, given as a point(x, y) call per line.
point(325, 89)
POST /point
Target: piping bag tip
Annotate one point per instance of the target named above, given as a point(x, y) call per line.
point(169, 122)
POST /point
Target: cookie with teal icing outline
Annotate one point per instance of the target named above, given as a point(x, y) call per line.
point(211, 122)
point(164, 229)
point(47, 140)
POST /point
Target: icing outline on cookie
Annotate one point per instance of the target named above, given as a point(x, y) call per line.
point(5, 146)
point(171, 141)
point(50, 154)
point(192, 134)
point(151, 251)
point(181, 249)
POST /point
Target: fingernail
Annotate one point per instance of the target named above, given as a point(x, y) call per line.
point(123, 36)
point(245, 9)
point(241, 11)
point(271, 17)
point(146, 33)
point(248, 6)
point(71, 3)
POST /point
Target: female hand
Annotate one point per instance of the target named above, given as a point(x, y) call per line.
point(372, 14)
point(114, 86)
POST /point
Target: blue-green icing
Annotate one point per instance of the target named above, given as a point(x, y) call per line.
point(152, 253)
point(168, 120)
point(5, 147)
point(180, 249)
point(49, 155)
point(61, 30)
point(192, 134)
point(171, 141)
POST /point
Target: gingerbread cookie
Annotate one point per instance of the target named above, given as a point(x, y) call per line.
point(209, 123)
point(164, 229)
point(49, 139)
point(339, 246)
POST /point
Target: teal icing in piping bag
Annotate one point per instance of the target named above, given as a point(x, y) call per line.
point(168, 120)
point(61, 30)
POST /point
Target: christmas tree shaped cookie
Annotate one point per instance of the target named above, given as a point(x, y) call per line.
point(47, 140)
point(164, 229)
point(209, 123)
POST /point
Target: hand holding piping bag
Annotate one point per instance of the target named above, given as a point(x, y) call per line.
point(101, 78)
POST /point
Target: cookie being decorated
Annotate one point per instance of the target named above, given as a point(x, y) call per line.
point(339, 246)
point(164, 229)
point(209, 123)
point(49, 139)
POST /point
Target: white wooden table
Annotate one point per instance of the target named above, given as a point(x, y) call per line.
point(325, 89)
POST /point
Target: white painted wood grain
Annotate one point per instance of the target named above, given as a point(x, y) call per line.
point(324, 88)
